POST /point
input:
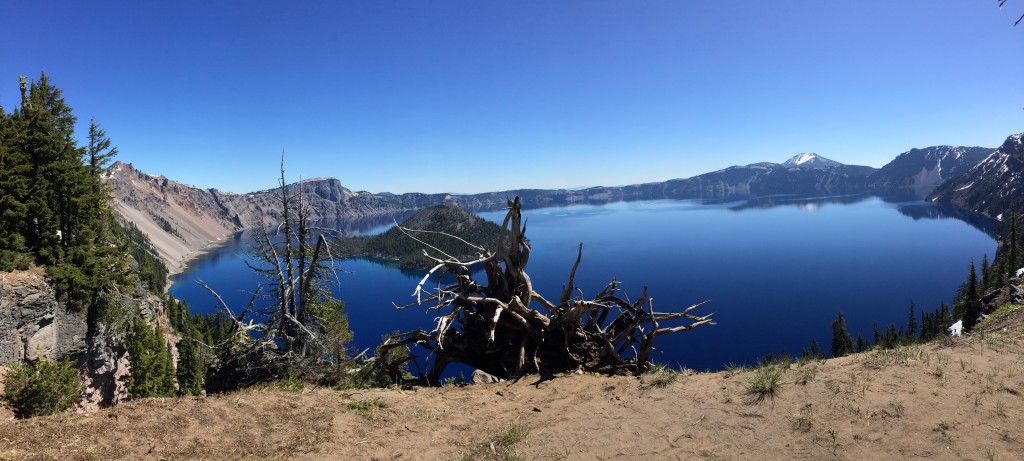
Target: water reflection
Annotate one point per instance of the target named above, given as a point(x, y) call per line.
point(801, 202)
point(928, 210)
point(776, 278)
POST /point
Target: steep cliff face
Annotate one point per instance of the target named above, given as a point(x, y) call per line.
point(992, 187)
point(179, 219)
point(32, 323)
point(923, 170)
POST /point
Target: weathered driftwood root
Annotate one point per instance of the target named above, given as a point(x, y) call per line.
point(497, 329)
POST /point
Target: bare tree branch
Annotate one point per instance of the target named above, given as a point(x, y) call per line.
point(493, 327)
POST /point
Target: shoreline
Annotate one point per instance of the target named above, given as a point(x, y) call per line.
point(188, 259)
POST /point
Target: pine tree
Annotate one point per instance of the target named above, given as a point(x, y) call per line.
point(14, 185)
point(912, 323)
point(945, 318)
point(971, 301)
point(814, 350)
point(986, 273)
point(1014, 245)
point(891, 337)
point(152, 368)
point(99, 154)
point(842, 342)
point(190, 367)
point(928, 327)
point(168, 379)
point(55, 161)
point(861, 345)
point(1001, 270)
point(58, 208)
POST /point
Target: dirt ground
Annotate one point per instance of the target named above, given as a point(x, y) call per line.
point(960, 398)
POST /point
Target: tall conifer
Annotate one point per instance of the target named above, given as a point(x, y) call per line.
point(1015, 253)
point(842, 342)
point(14, 185)
point(912, 323)
point(972, 302)
point(986, 273)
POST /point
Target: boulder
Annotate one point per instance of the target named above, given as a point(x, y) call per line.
point(481, 377)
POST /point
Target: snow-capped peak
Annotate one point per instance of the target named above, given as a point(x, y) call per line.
point(810, 161)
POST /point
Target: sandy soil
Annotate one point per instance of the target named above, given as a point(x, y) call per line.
point(958, 399)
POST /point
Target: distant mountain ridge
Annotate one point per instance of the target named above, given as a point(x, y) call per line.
point(183, 219)
point(922, 170)
point(993, 186)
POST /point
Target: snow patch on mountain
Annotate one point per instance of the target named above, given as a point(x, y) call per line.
point(808, 160)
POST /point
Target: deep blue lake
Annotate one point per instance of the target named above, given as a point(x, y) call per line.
point(776, 269)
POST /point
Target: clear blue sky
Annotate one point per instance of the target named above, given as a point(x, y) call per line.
point(470, 96)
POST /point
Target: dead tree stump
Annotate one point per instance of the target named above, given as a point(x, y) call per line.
point(497, 328)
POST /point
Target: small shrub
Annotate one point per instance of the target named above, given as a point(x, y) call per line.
point(42, 388)
point(291, 382)
point(764, 384)
point(660, 376)
point(512, 435)
point(365, 408)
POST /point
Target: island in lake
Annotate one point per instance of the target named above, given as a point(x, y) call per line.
point(434, 226)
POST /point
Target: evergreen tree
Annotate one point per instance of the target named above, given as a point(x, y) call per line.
point(945, 318)
point(99, 154)
point(1001, 270)
point(842, 342)
point(972, 302)
point(190, 367)
point(55, 208)
point(55, 169)
point(912, 323)
point(1014, 255)
point(815, 348)
point(14, 185)
point(986, 273)
point(891, 337)
point(168, 380)
point(860, 345)
point(152, 369)
point(927, 327)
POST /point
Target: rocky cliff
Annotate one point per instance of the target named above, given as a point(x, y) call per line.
point(178, 219)
point(923, 170)
point(992, 187)
point(32, 323)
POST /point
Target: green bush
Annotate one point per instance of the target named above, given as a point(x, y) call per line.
point(42, 388)
point(291, 382)
point(764, 384)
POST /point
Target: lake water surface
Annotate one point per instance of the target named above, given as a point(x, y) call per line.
point(776, 269)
